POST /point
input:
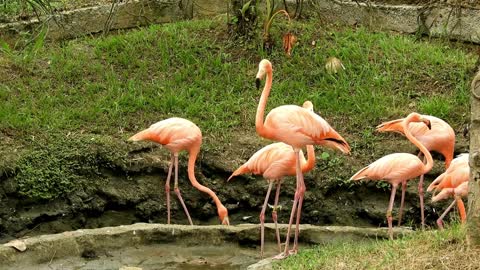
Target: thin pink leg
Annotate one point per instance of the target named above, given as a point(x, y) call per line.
point(389, 211)
point(262, 218)
point(402, 201)
point(290, 222)
point(177, 191)
point(420, 195)
point(302, 189)
point(167, 188)
point(440, 219)
point(274, 214)
point(296, 201)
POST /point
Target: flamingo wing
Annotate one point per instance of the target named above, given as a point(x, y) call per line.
point(396, 167)
point(298, 126)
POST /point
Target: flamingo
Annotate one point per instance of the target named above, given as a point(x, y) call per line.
point(297, 127)
point(398, 168)
point(178, 134)
point(440, 138)
point(454, 181)
point(274, 162)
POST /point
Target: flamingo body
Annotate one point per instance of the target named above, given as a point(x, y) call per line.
point(394, 168)
point(298, 127)
point(440, 138)
point(178, 134)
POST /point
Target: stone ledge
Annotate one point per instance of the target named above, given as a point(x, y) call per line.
point(451, 22)
point(83, 21)
point(74, 243)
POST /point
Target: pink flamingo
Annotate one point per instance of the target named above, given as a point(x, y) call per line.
point(398, 167)
point(440, 138)
point(297, 127)
point(453, 182)
point(274, 162)
point(178, 134)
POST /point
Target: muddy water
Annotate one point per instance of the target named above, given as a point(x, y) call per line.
point(226, 256)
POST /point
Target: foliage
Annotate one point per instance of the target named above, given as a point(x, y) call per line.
point(244, 19)
point(58, 165)
point(25, 7)
point(22, 54)
point(118, 84)
point(420, 250)
point(270, 13)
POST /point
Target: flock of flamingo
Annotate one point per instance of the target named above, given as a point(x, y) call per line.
point(295, 127)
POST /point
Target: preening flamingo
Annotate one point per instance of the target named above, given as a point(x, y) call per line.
point(178, 134)
point(297, 127)
point(274, 162)
point(440, 138)
point(398, 168)
point(453, 182)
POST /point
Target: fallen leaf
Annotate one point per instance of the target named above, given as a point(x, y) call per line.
point(289, 40)
point(17, 244)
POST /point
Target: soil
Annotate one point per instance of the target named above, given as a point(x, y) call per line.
point(134, 192)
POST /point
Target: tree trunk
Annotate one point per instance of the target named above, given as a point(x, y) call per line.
point(473, 219)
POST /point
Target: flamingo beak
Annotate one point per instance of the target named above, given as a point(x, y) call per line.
point(226, 221)
point(257, 83)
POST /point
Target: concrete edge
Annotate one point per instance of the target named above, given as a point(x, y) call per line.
point(43, 248)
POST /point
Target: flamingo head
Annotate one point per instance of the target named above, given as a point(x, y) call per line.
point(416, 117)
point(223, 215)
point(308, 105)
point(263, 68)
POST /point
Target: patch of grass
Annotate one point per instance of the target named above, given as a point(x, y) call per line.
point(422, 250)
point(116, 85)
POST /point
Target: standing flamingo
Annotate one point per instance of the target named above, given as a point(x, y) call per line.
point(178, 134)
point(453, 182)
point(274, 162)
point(297, 127)
point(398, 167)
point(440, 138)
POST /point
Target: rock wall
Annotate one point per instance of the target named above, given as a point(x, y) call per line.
point(74, 23)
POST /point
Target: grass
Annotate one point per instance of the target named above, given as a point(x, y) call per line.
point(422, 250)
point(116, 85)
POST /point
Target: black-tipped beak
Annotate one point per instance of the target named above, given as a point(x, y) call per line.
point(257, 83)
point(429, 124)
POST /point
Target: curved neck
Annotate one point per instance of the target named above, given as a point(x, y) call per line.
point(261, 105)
point(310, 159)
point(191, 176)
point(428, 166)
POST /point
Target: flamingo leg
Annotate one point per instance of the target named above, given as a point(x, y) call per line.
point(402, 201)
point(461, 209)
point(299, 193)
point(274, 214)
point(389, 211)
point(167, 188)
point(292, 214)
point(177, 191)
point(420, 195)
point(440, 219)
point(262, 218)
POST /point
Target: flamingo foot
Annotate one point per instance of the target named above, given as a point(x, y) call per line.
point(281, 256)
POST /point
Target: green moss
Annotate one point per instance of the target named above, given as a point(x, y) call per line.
point(59, 165)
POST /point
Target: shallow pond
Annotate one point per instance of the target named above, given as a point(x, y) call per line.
point(163, 256)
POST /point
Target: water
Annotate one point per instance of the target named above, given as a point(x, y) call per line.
point(165, 256)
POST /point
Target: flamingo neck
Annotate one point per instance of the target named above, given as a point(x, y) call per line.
point(310, 159)
point(193, 180)
point(261, 130)
point(428, 166)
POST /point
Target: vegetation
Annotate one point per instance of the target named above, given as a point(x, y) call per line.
point(115, 85)
point(421, 250)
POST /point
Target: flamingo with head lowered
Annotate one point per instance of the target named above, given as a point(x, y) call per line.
point(440, 138)
point(178, 134)
point(274, 162)
point(297, 127)
point(398, 167)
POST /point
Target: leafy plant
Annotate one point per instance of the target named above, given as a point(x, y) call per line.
point(29, 50)
point(270, 15)
point(244, 20)
point(23, 8)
